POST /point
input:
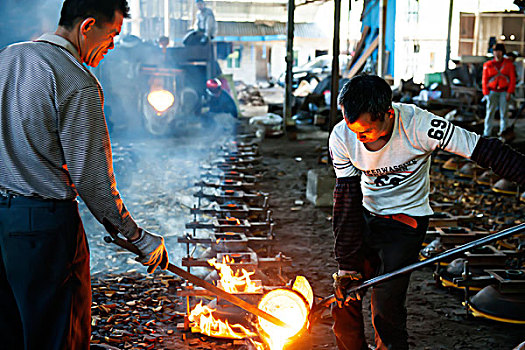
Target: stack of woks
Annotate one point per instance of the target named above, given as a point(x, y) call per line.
point(467, 169)
point(492, 275)
point(504, 299)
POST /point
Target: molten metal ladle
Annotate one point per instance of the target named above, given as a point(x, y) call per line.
point(200, 282)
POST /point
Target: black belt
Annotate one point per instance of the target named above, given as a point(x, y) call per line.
point(16, 200)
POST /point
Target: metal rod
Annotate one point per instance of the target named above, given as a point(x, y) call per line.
point(334, 87)
point(202, 283)
point(287, 113)
point(388, 276)
point(381, 47)
point(447, 56)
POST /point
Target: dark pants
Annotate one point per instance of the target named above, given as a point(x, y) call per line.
point(45, 289)
point(388, 246)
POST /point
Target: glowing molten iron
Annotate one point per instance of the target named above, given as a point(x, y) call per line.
point(233, 220)
point(291, 307)
point(205, 323)
point(161, 100)
point(234, 282)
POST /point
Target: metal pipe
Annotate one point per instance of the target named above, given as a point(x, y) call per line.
point(166, 18)
point(388, 276)
point(447, 58)
point(335, 65)
point(381, 47)
point(289, 65)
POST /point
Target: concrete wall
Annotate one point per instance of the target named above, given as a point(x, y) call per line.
point(276, 51)
point(423, 25)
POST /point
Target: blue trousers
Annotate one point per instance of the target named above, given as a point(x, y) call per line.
point(495, 100)
point(388, 245)
point(45, 288)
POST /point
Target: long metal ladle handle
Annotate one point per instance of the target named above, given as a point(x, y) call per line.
point(388, 276)
point(201, 283)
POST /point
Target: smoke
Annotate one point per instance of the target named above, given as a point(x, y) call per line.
point(23, 20)
point(156, 177)
point(157, 158)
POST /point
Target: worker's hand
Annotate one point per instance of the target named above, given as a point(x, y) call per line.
point(508, 96)
point(154, 253)
point(343, 280)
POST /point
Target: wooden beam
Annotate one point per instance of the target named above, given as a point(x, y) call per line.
point(361, 61)
point(359, 47)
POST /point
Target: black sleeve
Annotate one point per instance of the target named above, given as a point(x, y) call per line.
point(502, 159)
point(348, 223)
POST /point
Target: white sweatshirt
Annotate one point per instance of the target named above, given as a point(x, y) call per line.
point(395, 179)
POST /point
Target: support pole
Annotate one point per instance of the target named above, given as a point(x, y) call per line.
point(381, 47)
point(447, 58)
point(166, 18)
point(134, 6)
point(477, 19)
point(334, 89)
point(289, 65)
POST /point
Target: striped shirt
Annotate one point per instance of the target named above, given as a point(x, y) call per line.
point(54, 142)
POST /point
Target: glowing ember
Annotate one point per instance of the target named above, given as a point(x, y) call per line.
point(290, 307)
point(235, 220)
point(231, 205)
point(234, 282)
point(204, 322)
point(161, 100)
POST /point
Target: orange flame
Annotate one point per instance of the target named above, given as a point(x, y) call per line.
point(234, 282)
point(205, 323)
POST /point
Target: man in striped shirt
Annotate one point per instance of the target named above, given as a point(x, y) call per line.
point(54, 145)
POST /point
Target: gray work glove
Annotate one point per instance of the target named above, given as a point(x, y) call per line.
point(343, 280)
point(153, 250)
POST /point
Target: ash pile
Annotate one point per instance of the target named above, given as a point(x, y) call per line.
point(470, 203)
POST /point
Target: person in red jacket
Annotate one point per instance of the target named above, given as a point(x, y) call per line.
point(499, 82)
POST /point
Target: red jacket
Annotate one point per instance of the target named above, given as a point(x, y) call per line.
point(500, 80)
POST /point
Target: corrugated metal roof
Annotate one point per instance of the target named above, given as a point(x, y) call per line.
point(250, 31)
